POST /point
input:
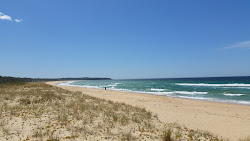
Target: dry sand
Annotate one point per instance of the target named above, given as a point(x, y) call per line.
point(226, 120)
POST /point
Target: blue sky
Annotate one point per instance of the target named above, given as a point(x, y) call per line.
point(124, 38)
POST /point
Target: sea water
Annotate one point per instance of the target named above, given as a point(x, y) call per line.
point(219, 89)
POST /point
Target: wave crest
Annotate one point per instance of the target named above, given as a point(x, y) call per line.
point(214, 85)
point(158, 90)
point(234, 94)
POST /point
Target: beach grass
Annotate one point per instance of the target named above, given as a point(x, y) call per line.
point(37, 111)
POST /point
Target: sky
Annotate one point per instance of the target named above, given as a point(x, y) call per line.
point(124, 38)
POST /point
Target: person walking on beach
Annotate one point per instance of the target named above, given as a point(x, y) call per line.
point(105, 88)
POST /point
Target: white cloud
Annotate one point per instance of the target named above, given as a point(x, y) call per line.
point(5, 17)
point(245, 45)
point(18, 20)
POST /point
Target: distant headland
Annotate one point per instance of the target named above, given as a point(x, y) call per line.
point(4, 79)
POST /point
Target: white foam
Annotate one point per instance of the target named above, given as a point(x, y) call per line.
point(192, 93)
point(158, 90)
point(235, 101)
point(84, 86)
point(112, 85)
point(126, 90)
point(172, 92)
point(120, 90)
point(65, 83)
point(217, 100)
point(161, 93)
point(195, 98)
point(243, 87)
point(70, 84)
point(143, 92)
point(214, 85)
point(234, 94)
point(243, 102)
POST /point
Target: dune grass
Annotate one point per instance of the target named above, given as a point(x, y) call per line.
point(37, 111)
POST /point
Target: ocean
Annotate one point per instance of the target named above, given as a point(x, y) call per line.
point(218, 89)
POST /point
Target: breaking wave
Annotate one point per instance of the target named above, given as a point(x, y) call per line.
point(214, 85)
point(234, 94)
point(158, 90)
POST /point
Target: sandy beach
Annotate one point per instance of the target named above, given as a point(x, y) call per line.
point(226, 120)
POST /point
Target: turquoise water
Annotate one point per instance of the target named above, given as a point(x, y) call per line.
point(225, 89)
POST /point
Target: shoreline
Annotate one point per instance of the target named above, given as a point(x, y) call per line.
point(151, 93)
point(225, 119)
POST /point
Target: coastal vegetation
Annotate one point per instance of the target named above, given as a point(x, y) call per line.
point(8, 79)
point(37, 111)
